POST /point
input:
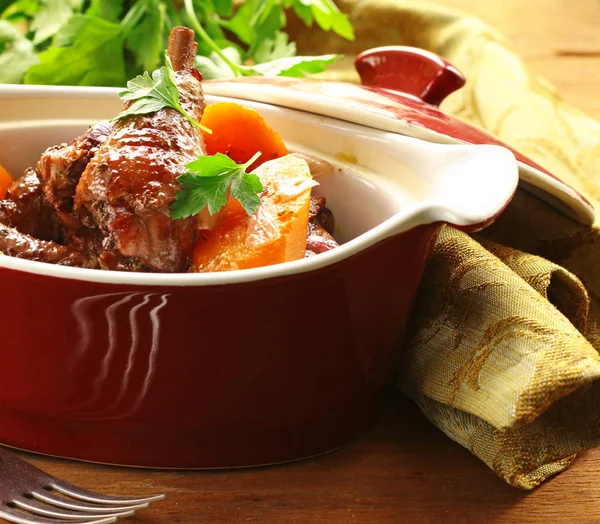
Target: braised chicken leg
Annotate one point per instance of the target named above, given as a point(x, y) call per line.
point(128, 187)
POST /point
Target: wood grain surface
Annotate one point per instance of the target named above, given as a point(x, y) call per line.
point(404, 470)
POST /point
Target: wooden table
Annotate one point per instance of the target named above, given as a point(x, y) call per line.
point(404, 470)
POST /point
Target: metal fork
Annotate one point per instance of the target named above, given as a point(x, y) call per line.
point(30, 496)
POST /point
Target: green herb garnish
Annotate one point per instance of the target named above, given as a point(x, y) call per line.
point(152, 93)
point(105, 42)
point(206, 184)
point(258, 24)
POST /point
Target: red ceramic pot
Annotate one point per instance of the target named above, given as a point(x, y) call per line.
point(244, 367)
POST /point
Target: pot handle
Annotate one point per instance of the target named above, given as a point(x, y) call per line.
point(409, 70)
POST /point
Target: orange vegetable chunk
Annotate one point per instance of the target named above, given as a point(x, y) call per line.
point(240, 132)
point(5, 182)
point(275, 233)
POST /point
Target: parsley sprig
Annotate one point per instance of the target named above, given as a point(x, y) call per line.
point(153, 93)
point(206, 184)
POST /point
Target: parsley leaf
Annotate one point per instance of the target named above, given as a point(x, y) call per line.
point(142, 106)
point(246, 189)
point(326, 14)
point(138, 87)
point(86, 51)
point(16, 54)
point(257, 20)
point(223, 8)
point(214, 66)
point(154, 93)
point(206, 184)
point(274, 48)
point(295, 65)
point(4, 4)
point(50, 18)
point(147, 39)
point(107, 10)
point(21, 10)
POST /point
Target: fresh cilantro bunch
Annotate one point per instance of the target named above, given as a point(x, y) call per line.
point(105, 42)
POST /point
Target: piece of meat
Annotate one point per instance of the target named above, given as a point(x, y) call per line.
point(26, 209)
point(318, 240)
point(60, 168)
point(128, 187)
point(320, 228)
point(16, 244)
point(38, 208)
point(85, 240)
point(317, 212)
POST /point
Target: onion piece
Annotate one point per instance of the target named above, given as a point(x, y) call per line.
point(262, 228)
point(204, 220)
point(318, 167)
point(292, 187)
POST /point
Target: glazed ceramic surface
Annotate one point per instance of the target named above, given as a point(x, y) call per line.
point(401, 91)
point(244, 367)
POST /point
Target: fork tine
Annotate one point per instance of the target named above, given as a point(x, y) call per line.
point(42, 509)
point(63, 502)
point(88, 496)
point(19, 517)
point(19, 481)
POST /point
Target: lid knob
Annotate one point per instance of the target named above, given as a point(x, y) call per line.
point(409, 70)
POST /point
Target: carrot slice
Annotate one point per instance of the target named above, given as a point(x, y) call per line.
point(275, 233)
point(240, 132)
point(5, 182)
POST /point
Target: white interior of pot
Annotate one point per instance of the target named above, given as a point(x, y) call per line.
point(382, 184)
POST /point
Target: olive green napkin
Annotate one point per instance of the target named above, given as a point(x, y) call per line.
point(502, 352)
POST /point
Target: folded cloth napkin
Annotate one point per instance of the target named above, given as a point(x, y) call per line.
point(502, 352)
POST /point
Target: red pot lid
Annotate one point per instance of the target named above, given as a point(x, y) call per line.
point(402, 88)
